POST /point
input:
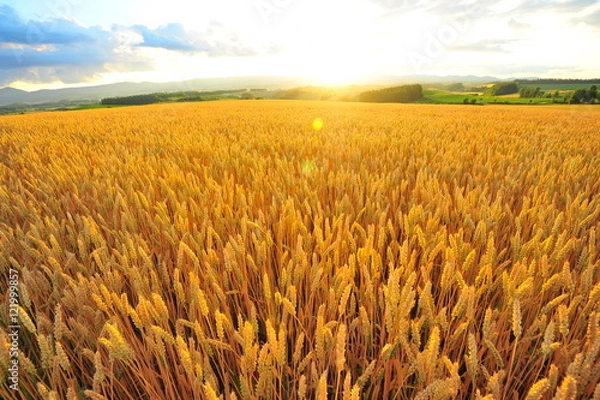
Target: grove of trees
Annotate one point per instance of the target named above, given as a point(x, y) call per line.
point(397, 94)
point(581, 96)
point(528, 92)
point(502, 88)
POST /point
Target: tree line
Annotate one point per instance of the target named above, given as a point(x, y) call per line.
point(139, 99)
point(162, 97)
point(396, 94)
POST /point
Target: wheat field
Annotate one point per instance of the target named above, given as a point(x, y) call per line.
point(229, 250)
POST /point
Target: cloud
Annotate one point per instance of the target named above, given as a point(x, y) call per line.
point(60, 49)
point(482, 10)
point(499, 6)
point(169, 37)
point(51, 50)
point(560, 5)
point(441, 8)
point(215, 41)
point(593, 19)
point(514, 24)
point(491, 45)
point(56, 31)
point(68, 64)
point(11, 58)
point(515, 70)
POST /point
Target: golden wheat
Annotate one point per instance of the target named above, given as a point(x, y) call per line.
point(228, 250)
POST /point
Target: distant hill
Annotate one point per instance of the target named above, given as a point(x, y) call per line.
point(95, 93)
point(10, 96)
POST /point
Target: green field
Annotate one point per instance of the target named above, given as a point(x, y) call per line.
point(438, 96)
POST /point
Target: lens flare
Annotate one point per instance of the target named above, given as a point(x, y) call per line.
point(317, 124)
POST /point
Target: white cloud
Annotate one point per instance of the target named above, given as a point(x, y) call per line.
point(59, 49)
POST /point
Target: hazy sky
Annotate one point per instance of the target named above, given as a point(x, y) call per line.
point(52, 43)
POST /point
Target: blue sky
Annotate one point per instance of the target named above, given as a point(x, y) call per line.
point(57, 43)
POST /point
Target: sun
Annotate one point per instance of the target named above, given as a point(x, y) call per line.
point(337, 56)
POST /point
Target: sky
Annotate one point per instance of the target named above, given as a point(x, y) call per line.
point(64, 43)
